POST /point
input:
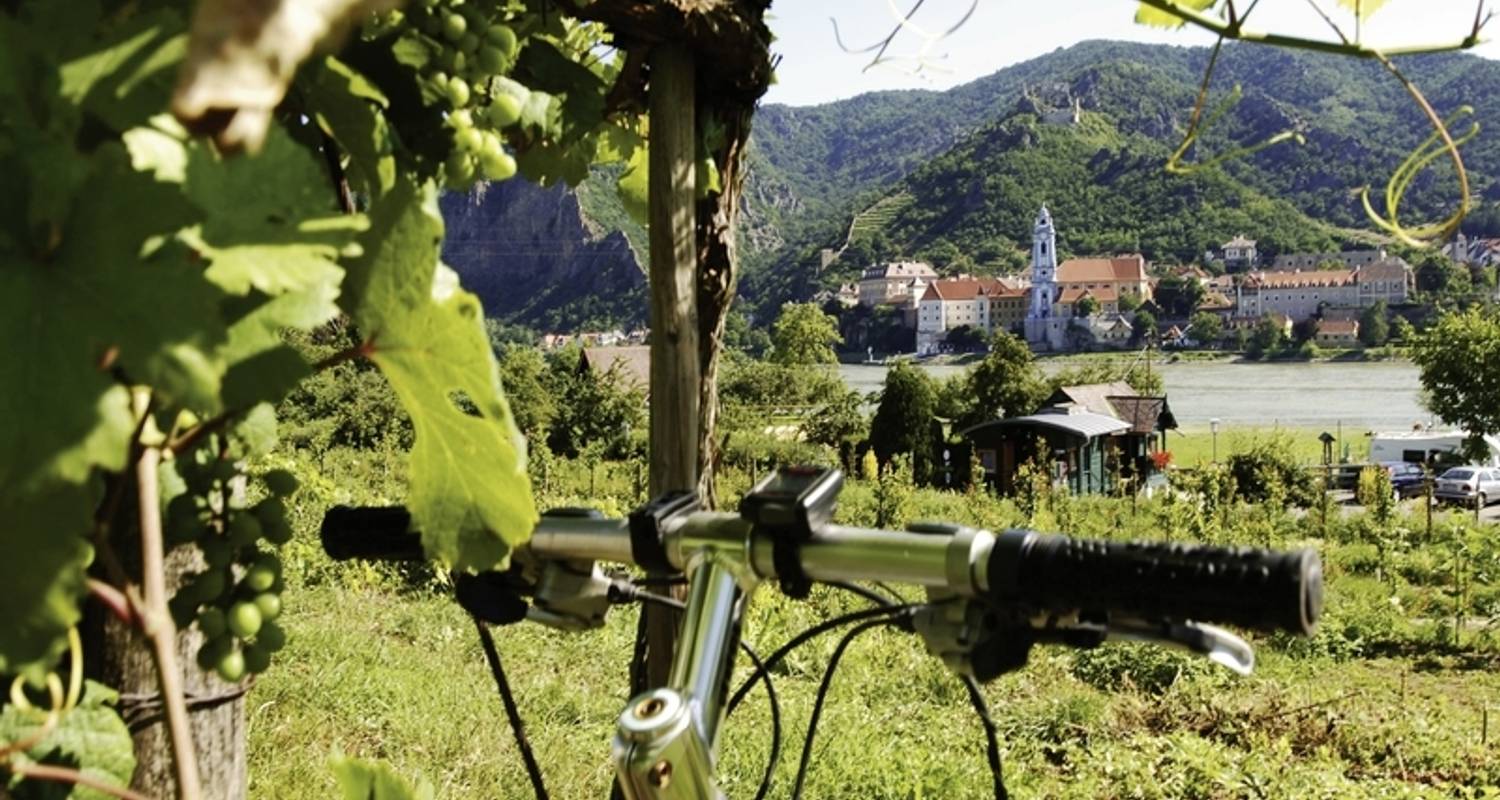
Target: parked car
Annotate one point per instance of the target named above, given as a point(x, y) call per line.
point(1407, 480)
point(1465, 484)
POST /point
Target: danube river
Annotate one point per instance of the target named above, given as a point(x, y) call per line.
point(1359, 396)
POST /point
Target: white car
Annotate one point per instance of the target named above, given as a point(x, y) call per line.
point(1464, 484)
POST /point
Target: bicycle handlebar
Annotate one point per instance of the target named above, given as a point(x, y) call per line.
point(1016, 569)
point(1251, 588)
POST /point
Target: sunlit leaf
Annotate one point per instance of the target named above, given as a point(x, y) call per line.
point(90, 738)
point(375, 780)
point(470, 496)
point(1364, 8)
point(1155, 17)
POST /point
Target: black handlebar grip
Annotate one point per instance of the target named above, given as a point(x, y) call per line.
point(370, 534)
point(1258, 589)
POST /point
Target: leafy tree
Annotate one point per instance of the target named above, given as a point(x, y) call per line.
point(1143, 380)
point(965, 338)
point(748, 382)
point(1268, 338)
point(740, 335)
point(1143, 327)
point(1459, 362)
point(1129, 302)
point(1087, 306)
point(597, 410)
point(1374, 325)
point(1007, 383)
point(803, 335)
point(1206, 327)
point(903, 420)
point(839, 423)
point(1178, 296)
point(1402, 330)
point(525, 378)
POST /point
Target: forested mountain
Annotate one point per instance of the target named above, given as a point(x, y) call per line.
point(956, 176)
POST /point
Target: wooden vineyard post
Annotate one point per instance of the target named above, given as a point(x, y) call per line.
point(674, 317)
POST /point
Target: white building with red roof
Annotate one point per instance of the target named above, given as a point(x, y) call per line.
point(982, 303)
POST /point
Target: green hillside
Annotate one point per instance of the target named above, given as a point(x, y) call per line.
point(956, 176)
point(970, 206)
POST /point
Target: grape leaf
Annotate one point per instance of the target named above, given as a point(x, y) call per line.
point(43, 555)
point(1364, 8)
point(261, 366)
point(107, 298)
point(130, 78)
point(90, 738)
point(470, 496)
point(340, 99)
point(634, 186)
point(1146, 15)
point(96, 305)
point(270, 222)
point(375, 780)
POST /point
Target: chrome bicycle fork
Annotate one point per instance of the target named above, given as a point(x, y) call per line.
point(666, 744)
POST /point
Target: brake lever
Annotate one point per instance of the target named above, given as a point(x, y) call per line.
point(1214, 643)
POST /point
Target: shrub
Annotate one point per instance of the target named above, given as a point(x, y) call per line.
point(1265, 472)
point(1150, 668)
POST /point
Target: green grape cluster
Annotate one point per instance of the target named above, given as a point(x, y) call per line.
point(475, 48)
point(236, 599)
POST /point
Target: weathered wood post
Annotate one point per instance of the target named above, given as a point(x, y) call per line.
point(674, 314)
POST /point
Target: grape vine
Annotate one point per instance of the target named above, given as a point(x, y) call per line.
point(149, 273)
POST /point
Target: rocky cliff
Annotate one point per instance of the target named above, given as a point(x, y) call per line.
point(534, 258)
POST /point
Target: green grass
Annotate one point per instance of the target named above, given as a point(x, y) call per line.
point(1193, 446)
point(1382, 703)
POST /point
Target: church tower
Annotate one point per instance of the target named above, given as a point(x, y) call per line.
point(1043, 276)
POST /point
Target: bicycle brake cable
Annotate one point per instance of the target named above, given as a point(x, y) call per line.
point(991, 735)
point(512, 712)
point(796, 641)
point(833, 664)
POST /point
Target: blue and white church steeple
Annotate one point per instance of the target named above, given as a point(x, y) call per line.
point(1043, 275)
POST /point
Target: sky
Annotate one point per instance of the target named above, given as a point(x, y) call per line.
point(815, 70)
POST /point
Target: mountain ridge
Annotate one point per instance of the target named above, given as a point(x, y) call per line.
point(814, 169)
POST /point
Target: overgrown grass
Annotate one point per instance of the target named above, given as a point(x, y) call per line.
point(1382, 703)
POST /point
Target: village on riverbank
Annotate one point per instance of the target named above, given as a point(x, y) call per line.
point(1238, 299)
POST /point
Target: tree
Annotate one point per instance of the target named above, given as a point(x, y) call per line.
point(1374, 325)
point(903, 420)
point(1206, 328)
point(1143, 327)
point(839, 423)
point(1178, 296)
point(1007, 383)
point(1459, 362)
point(1268, 338)
point(965, 338)
point(1087, 306)
point(803, 335)
point(1403, 331)
point(1130, 301)
point(1143, 380)
point(596, 411)
point(525, 378)
point(739, 335)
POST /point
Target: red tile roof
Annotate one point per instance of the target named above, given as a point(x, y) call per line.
point(1084, 270)
point(1300, 280)
point(1073, 294)
point(964, 288)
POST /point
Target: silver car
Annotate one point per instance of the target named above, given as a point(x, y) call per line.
point(1464, 484)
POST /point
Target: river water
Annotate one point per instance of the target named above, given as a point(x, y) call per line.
point(1362, 396)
